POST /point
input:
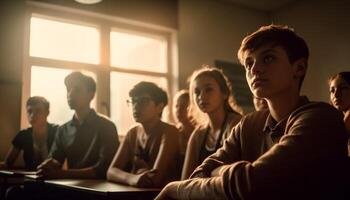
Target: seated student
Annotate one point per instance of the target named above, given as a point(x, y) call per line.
point(339, 91)
point(212, 100)
point(146, 156)
point(259, 103)
point(36, 141)
point(185, 122)
point(294, 150)
point(88, 141)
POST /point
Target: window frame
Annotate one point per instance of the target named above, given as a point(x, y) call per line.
point(105, 24)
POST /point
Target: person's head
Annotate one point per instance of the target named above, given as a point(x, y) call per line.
point(275, 59)
point(210, 90)
point(38, 108)
point(339, 91)
point(148, 101)
point(181, 106)
point(259, 103)
point(80, 90)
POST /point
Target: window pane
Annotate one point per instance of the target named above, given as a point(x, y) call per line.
point(121, 84)
point(138, 52)
point(64, 41)
point(49, 83)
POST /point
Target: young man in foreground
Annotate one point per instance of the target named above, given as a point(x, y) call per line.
point(294, 150)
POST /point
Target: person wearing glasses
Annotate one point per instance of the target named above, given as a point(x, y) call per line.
point(147, 154)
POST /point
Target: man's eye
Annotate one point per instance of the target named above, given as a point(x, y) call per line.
point(332, 90)
point(268, 58)
point(196, 92)
point(248, 65)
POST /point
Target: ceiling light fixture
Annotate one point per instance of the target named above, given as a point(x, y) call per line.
point(88, 1)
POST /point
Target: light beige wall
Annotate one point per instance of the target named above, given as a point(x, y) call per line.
point(211, 30)
point(325, 26)
point(11, 49)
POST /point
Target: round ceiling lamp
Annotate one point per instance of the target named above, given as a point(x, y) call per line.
point(88, 1)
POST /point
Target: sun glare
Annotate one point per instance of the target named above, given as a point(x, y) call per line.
point(64, 41)
point(138, 52)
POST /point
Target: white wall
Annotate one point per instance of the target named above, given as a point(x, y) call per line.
point(211, 30)
point(325, 25)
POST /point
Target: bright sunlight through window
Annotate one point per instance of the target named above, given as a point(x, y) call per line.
point(64, 41)
point(139, 52)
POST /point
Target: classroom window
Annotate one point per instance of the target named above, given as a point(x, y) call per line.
point(116, 55)
point(64, 41)
point(134, 51)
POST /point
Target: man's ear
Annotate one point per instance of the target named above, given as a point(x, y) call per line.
point(160, 107)
point(300, 66)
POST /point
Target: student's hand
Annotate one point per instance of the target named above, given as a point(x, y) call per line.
point(168, 192)
point(144, 179)
point(50, 169)
point(49, 164)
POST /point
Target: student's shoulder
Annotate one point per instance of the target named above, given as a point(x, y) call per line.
point(233, 118)
point(169, 127)
point(199, 132)
point(24, 133)
point(133, 131)
point(316, 110)
point(255, 117)
point(104, 120)
point(53, 126)
point(64, 125)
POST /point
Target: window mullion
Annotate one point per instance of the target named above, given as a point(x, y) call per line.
point(103, 75)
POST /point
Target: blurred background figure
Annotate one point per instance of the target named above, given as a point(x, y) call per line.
point(183, 119)
point(339, 95)
point(35, 141)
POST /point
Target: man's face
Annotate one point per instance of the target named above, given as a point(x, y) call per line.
point(269, 72)
point(144, 108)
point(37, 114)
point(78, 95)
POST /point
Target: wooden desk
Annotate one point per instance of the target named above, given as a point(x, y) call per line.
point(92, 189)
point(10, 178)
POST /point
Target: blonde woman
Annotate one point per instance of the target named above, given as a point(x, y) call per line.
point(215, 113)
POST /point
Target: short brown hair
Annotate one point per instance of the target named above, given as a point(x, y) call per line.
point(87, 81)
point(35, 100)
point(157, 94)
point(276, 35)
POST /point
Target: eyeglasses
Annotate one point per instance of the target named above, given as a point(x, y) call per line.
point(141, 101)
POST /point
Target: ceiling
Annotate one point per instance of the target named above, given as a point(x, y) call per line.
point(263, 5)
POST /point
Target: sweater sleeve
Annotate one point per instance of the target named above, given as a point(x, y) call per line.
point(313, 142)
